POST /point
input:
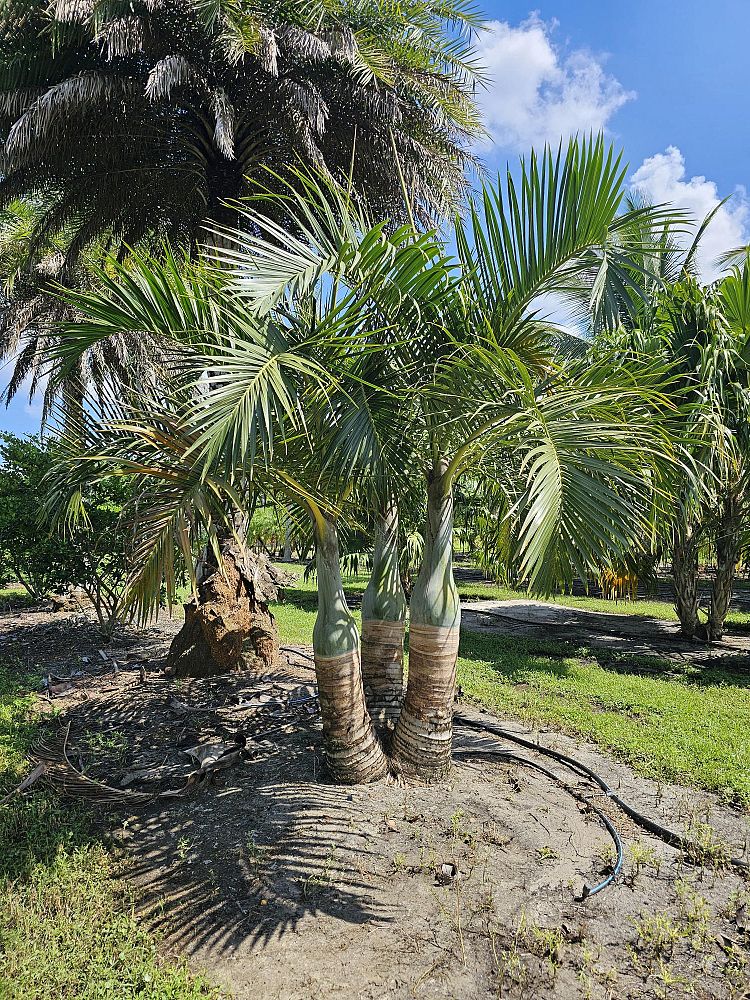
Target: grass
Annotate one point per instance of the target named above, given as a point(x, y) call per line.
point(690, 726)
point(303, 592)
point(667, 720)
point(15, 597)
point(644, 607)
point(67, 923)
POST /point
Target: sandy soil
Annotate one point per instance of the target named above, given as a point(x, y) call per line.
point(283, 886)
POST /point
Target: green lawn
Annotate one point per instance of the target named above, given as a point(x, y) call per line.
point(646, 607)
point(668, 722)
point(15, 597)
point(692, 727)
point(306, 589)
point(67, 929)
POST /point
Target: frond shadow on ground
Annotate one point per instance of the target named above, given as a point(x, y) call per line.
point(250, 861)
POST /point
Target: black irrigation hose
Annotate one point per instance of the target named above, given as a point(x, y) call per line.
point(588, 890)
point(650, 825)
point(296, 652)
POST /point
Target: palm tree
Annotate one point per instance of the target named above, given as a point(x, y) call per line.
point(731, 508)
point(700, 335)
point(474, 346)
point(466, 371)
point(140, 116)
point(123, 123)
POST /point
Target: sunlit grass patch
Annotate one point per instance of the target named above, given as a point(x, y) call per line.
point(67, 924)
point(680, 726)
point(645, 607)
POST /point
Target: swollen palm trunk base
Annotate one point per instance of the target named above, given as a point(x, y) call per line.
point(353, 753)
point(383, 669)
point(423, 738)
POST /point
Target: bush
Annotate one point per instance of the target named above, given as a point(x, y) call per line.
point(92, 556)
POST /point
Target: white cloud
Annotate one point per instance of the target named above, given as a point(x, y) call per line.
point(662, 178)
point(538, 93)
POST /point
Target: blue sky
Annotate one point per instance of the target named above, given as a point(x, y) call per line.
point(686, 61)
point(666, 79)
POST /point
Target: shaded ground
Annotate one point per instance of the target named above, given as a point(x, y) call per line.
point(629, 633)
point(283, 886)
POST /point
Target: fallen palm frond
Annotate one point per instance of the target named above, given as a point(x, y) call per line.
point(55, 767)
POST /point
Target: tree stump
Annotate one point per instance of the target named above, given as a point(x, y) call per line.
point(229, 627)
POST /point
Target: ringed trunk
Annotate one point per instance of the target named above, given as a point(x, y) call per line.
point(383, 625)
point(423, 738)
point(352, 751)
point(727, 556)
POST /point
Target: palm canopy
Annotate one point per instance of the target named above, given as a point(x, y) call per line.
point(404, 359)
point(122, 123)
point(31, 315)
point(654, 257)
point(129, 117)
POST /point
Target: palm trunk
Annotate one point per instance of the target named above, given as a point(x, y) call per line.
point(685, 578)
point(228, 623)
point(352, 750)
point(423, 738)
point(727, 555)
point(383, 625)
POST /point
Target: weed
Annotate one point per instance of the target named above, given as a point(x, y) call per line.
point(668, 980)
point(641, 856)
point(547, 853)
point(695, 913)
point(703, 846)
point(321, 879)
point(548, 942)
point(399, 861)
point(428, 860)
point(513, 967)
point(737, 902)
point(184, 845)
point(736, 969)
point(657, 934)
point(110, 744)
point(256, 853)
point(459, 832)
point(607, 854)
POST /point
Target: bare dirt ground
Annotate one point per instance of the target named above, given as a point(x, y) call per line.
point(629, 633)
point(284, 887)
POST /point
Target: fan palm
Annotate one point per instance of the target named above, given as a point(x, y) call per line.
point(464, 370)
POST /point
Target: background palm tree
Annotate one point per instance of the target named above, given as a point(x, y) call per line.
point(147, 116)
point(123, 123)
point(700, 333)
